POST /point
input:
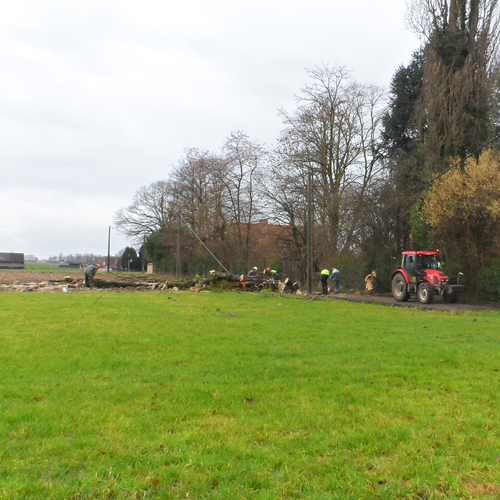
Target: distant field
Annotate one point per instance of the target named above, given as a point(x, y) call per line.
point(55, 268)
point(245, 396)
point(43, 267)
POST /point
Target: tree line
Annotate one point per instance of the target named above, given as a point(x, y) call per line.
point(363, 168)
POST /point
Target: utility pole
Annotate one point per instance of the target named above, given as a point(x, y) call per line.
point(109, 244)
point(143, 253)
point(310, 219)
point(178, 262)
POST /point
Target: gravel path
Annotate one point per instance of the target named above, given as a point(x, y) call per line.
point(436, 305)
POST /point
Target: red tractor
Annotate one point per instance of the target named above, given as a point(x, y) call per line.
point(420, 274)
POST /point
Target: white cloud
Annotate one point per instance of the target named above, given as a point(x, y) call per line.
point(100, 98)
point(38, 217)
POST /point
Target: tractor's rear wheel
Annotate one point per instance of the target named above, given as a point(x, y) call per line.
point(425, 293)
point(400, 288)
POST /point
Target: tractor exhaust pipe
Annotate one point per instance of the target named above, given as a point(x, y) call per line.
point(458, 278)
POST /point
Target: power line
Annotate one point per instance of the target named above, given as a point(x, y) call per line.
point(199, 239)
point(375, 215)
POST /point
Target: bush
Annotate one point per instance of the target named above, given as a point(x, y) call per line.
point(353, 269)
point(489, 281)
point(384, 266)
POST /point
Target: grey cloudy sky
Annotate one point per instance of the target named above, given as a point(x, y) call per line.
point(99, 98)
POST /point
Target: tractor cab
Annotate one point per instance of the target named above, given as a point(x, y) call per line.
point(416, 263)
point(409, 264)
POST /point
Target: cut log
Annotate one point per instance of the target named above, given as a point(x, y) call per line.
point(224, 276)
point(98, 283)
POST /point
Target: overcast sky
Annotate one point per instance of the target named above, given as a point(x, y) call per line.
point(99, 98)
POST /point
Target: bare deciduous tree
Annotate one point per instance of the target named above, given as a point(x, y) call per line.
point(284, 188)
point(244, 159)
point(151, 210)
point(198, 190)
point(334, 133)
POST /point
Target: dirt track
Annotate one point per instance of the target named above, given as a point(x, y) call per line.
point(436, 305)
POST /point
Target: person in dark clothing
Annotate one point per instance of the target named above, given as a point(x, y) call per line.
point(335, 277)
point(253, 272)
point(324, 280)
point(90, 272)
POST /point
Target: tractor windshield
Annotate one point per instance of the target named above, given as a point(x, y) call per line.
point(427, 262)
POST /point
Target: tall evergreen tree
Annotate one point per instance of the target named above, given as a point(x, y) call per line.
point(130, 259)
point(400, 134)
point(461, 41)
point(402, 144)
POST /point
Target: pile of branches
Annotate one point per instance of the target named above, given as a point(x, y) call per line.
point(228, 281)
point(216, 279)
point(255, 283)
point(63, 284)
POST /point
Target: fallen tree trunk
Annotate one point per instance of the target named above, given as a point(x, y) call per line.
point(225, 276)
point(98, 283)
point(223, 280)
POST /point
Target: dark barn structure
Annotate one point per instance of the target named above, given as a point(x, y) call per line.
point(11, 261)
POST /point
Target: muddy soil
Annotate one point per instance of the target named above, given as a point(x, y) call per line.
point(438, 303)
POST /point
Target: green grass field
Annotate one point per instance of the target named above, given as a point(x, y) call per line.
point(39, 267)
point(235, 396)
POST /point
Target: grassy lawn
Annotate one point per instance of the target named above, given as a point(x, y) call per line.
point(236, 396)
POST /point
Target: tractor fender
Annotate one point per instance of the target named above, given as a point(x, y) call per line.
point(403, 272)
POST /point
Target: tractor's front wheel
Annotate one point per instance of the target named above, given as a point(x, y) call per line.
point(400, 288)
point(425, 293)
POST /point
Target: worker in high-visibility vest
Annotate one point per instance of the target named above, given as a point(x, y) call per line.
point(324, 280)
